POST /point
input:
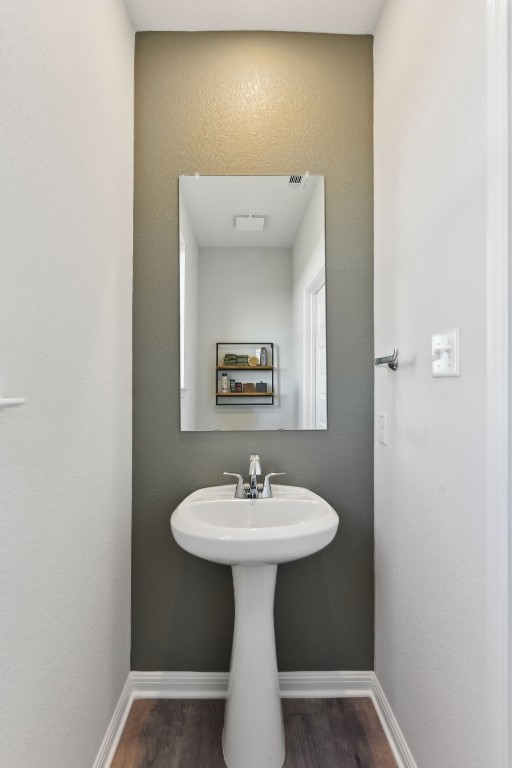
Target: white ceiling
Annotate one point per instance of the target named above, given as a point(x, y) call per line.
point(214, 201)
point(354, 17)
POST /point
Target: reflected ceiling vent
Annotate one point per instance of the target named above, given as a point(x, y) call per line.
point(298, 181)
point(250, 222)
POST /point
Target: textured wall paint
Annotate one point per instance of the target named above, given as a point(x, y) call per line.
point(253, 103)
point(66, 121)
point(430, 261)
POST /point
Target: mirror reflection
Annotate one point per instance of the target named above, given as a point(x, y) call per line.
point(252, 303)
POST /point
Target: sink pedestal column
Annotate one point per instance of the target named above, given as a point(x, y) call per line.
point(253, 722)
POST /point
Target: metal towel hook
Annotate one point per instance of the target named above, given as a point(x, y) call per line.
point(391, 360)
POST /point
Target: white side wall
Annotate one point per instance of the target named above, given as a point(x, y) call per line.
point(66, 121)
point(430, 259)
point(244, 295)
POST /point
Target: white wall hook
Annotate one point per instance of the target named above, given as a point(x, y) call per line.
point(390, 360)
point(11, 402)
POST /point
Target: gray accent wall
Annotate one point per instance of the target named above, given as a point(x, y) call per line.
point(253, 103)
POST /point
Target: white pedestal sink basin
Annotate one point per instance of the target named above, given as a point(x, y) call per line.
point(253, 536)
point(212, 524)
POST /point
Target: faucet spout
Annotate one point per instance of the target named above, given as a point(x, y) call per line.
point(254, 472)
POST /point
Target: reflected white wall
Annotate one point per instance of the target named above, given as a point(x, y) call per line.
point(308, 260)
point(244, 295)
point(189, 278)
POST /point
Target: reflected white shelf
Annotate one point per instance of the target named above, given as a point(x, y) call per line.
point(11, 402)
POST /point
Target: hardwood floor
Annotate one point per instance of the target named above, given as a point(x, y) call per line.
point(186, 733)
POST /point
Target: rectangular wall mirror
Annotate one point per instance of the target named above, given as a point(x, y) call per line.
point(252, 303)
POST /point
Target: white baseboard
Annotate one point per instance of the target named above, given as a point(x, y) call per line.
point(394, 735)
point(115, 728)
point(214, 685)
point(324, 685)
point(179, 685)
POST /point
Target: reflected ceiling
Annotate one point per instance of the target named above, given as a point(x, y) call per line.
point(214, 201)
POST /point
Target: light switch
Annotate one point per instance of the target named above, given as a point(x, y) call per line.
point(382, 429)
point(445, 353)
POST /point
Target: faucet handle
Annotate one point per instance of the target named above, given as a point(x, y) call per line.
point(266, 493)
point(240, 490)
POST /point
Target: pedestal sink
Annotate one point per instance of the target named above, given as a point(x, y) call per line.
point(253, 536)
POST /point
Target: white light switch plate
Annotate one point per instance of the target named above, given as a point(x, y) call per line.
point(382, 432)
point(445, 353)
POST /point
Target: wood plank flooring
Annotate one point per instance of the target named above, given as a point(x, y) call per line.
point(186, 733)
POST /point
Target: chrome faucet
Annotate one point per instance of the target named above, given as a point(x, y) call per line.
point(266, 491)
point(254, 472)
point(240, 488)
point(251, 491)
